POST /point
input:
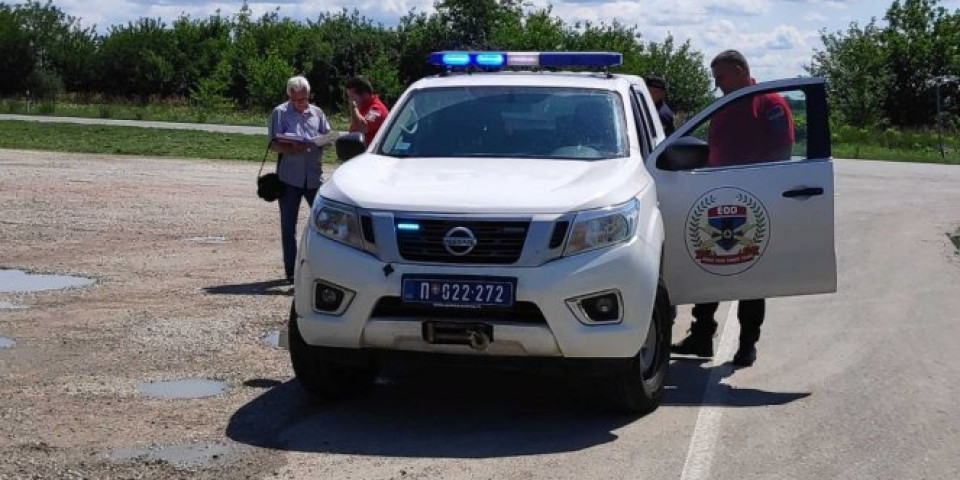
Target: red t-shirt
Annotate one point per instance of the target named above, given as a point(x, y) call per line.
point(751, 130)
point(374, 112)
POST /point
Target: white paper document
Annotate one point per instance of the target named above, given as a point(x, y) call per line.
point(319, 140)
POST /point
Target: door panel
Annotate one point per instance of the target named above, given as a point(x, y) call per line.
point(756, 220)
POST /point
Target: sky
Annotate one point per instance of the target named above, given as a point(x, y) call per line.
point(778, 37)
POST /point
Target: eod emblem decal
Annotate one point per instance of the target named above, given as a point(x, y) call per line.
point(727, 231)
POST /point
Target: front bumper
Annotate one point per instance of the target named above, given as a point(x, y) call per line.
point(631, 268)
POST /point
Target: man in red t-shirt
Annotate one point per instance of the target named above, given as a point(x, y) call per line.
point(367, 112)
point(752, 130)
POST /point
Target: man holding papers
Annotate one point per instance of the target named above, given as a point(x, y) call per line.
point(296, 130)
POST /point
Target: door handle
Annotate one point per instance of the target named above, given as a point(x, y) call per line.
point(803, 192)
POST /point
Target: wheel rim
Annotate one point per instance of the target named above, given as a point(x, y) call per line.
point(650, 351)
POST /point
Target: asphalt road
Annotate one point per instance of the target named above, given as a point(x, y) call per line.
point(860, 384)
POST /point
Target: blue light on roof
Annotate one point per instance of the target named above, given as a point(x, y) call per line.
point(490, 59)
point(408, 227)
point(456, 59)
point(526, 59)
point(580, 59)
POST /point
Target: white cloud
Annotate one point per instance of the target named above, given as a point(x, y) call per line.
point(739, 7)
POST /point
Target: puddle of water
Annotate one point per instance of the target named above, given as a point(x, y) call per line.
point(272, 338)
point(182, 456)
point(186, 388)
point(16, 281)
point(10, 306)
point(208, 240)
point(7, 342)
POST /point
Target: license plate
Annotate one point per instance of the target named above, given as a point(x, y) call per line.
point(465, 292)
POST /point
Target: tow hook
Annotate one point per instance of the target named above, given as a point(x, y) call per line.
point(477, 336)
point(478, 340)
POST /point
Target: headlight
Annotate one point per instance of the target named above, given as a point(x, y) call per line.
point(337, 221)
point(601, 228)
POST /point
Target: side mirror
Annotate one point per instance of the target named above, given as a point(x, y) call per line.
point(686, 153)
point(350, 145)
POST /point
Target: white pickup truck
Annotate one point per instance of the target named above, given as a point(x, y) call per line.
point(541, 217)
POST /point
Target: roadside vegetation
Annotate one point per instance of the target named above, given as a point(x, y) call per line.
point(65, 137)
point(230, 68)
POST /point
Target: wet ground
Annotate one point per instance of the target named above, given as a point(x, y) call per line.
point(16, 281)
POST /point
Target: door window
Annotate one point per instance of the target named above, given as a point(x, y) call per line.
point(760, 128)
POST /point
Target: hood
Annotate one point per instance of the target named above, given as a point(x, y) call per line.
point(484, 185)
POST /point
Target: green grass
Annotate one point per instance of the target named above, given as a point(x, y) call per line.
point(955, 238)
point(155, 111)
point(63, 137)
point(160, 112)
point(873, 152)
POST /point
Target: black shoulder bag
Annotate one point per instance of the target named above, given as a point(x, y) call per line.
point(269, 186)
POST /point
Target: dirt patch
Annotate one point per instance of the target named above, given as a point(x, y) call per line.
point(187, 265)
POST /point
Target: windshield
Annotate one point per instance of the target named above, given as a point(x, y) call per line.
point(526, 122)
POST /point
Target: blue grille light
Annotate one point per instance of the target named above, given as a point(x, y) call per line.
point(526, 59)
point(408, 227)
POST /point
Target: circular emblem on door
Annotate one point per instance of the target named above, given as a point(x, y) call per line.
point(459, 241)
point(727, 231)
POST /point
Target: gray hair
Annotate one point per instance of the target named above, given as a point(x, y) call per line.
point(297, 84)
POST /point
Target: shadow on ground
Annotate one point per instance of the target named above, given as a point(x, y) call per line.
point(461, 413)
point(689, 379)
point(270, 287)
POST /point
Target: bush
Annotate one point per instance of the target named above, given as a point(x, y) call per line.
point(44, 84)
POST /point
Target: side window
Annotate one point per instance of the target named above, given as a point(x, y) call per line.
point(642, 119)
point(764, 127)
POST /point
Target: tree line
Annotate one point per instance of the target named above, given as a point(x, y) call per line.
point(880, 74)
point(885, 74)
point(237, 60)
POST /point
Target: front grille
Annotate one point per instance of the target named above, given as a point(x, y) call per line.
point(497, 242)
point(520, 312)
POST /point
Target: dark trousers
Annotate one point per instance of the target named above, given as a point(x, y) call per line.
point(289, 204)
point(750, 313)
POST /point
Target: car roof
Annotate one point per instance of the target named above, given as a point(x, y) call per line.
point(594, 80)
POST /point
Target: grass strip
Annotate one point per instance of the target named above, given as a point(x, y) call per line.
point(64, 137)
point(871, 152)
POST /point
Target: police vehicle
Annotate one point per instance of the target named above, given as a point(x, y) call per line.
point(511, 213)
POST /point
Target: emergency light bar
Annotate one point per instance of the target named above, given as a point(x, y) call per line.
point(452, 59)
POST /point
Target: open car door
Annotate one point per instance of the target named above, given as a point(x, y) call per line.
point(750, 215)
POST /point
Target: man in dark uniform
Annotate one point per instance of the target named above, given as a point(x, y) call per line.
point(658, 91)
point(752, 130)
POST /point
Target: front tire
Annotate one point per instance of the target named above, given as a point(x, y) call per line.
point(638, 387)
point(322, 376)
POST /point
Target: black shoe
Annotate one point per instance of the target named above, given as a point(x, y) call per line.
point(746, 355)
point(695, 344)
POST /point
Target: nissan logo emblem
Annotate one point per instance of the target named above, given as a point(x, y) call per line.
point(459, 241)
